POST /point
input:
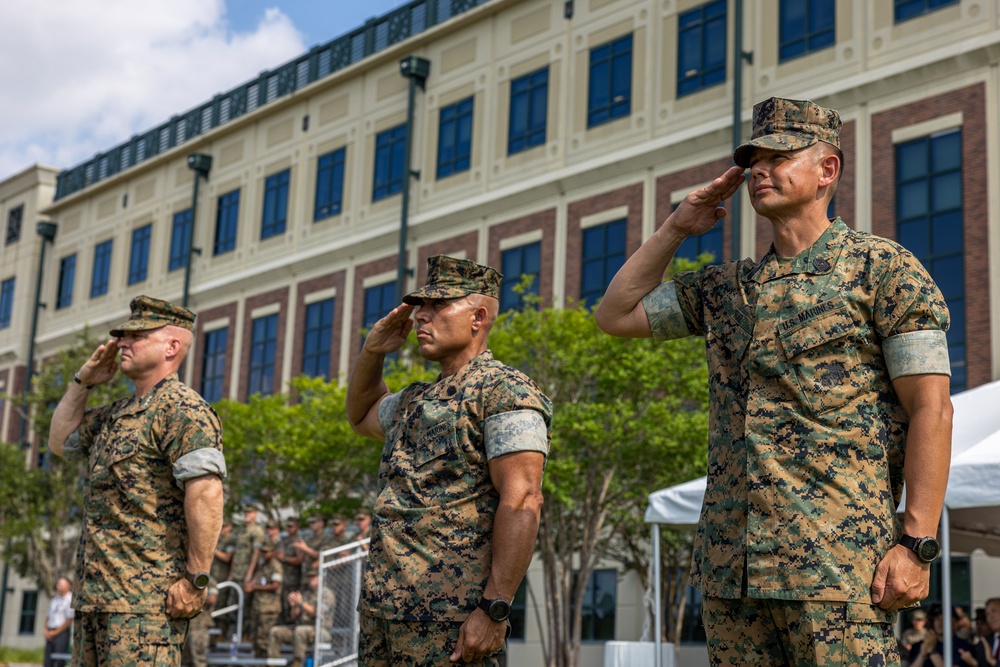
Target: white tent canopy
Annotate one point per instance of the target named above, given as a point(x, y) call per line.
point(972, 501)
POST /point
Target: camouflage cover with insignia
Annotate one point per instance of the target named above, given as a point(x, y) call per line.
point(430, 554)
point(133, 544)
point(806, 435)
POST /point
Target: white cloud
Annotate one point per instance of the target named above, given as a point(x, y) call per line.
point(81, 76)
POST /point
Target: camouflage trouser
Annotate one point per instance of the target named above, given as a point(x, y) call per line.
point(127, 640)
point(301, 637)
point(196, 646)
point(263, 621)
point(385, 642)
point(772, 633)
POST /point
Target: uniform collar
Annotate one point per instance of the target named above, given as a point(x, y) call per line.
point(817, 259)
point(451, 385)
point(137, 405)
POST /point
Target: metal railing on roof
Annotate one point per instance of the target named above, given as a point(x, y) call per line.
point(375, 35)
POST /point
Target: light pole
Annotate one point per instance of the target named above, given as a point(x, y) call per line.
point(200, 164)
point(47, 231)
point(416, 69)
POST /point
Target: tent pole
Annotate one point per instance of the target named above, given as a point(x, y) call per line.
point(946, 585)
point(657, 603)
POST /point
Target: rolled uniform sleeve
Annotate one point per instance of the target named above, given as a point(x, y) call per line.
point(912, 318)
point(663, 309)
point(519, 418)
point(386, 409)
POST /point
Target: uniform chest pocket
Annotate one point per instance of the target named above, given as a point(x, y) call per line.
point(439, 441)
point(822, 353)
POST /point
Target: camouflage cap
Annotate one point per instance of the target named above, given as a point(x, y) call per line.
point(450, 278)
point(149, 313)
point(788, 125)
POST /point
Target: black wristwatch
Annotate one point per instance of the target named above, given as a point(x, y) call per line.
point(197, 579)
point(498, 609)
point(926, 548)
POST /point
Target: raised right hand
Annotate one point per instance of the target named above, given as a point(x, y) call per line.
point(701, 208)
point(389, 333)
point(102, 365)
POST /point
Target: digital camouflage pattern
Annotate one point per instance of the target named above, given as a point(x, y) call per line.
point(819, 634)
point(788, 125)
point(220, 568)
point(385, 643)
point(248, 539)
point(133, 545)
point(196, 644)
point(430, 556)
point(450, 278)
point(149, 313)
point(128, 640)
point(806, 435)
point(266, 604)
point(320, 542)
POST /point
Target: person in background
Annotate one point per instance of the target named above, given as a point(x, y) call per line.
point(266, 587)
point(992, 642)
point(58, 622)
point(318, 541)
point(913, 634)
point(301, 632)
point(291, 564)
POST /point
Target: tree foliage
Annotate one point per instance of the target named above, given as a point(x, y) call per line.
point(631, 417)
point(297, 450)
point(41, 506)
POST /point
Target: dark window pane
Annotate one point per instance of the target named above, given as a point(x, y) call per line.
point(317, 339)
point(264, 343)
point(102, 269)
point(948, 274)
point(701, 48)
point(389, 167)
point(609, 94)
point(138, 266)
point(213, 369)
point(6, 302)
point(946, 233)
point(274, 220)
point(329, 184)
point(67, 277)
point(911, 160)
point(515, 264)
point(227, 222)
point(913, 199)
point(913, 236)
point(180, 240)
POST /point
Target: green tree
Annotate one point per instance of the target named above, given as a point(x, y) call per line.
point(297, 449)
point(41, 506)
point(631, 417)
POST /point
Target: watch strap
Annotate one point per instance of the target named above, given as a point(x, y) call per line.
point(76, 379)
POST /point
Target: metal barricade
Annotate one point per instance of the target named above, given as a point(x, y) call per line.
point(238, 608)
point(337, 623)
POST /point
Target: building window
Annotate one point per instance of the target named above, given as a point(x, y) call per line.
point(610, 93)
point(67, 276)
point(709, 242)
point(263, 345)
point(516, 263)
point(389, 167)
point(379, 300)
point(529, 101)
point(6, 303)
point(180, 240)
point(603, 255)
point(329, 184)
point(15, 217)
point(138, 264)
point(29, 612)
point(701, 48)
point(929, 223)
point(213, 365)
point(519, 611)
point(455, 138)
point(909, 9)
point(102, 269)
point(275, 217)
point(597, 621)
point(226, 222)
point(317, 340)
point(805, 26)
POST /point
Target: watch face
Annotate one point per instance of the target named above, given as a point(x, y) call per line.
point(928, 549)
point(499, 610)
point(200, 580)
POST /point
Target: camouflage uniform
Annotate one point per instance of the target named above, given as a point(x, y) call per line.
point(320, 542)
point(806, 436)
point(196, 644)
point(430, 551)
point(248, 539)
point(302, 635)
point(266, 604)
point(134, 540)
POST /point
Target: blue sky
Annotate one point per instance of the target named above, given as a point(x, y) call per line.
point(81, 76)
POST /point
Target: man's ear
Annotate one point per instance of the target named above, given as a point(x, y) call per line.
point(479, 317)
point(830, 167)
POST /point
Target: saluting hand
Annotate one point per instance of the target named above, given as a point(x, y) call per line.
point(389, 333)
point(102, 365)
point(701, 209)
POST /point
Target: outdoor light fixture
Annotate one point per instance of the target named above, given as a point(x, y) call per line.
point(200, 164)
point(47, 232)
point(416, 69)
